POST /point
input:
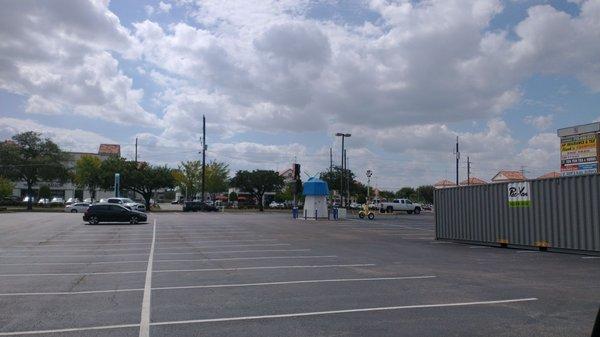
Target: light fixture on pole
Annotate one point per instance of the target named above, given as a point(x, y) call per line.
point(369, 174)
point(343, 135)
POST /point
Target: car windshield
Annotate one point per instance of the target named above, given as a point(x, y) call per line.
point(127, 200)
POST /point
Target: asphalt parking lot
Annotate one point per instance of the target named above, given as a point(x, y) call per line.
point(248, 274)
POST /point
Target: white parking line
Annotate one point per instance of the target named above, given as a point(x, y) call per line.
point(145, 316)
point(191, 270)
point(295, 282)
point(168, 260)
point(332, 312)
point(292, 315)
point(478, 247)
point(146, 241)
point(263, 267)
point(158, 253)
point(90, 328)
point(527, 251)
point(210, 286)
point(590, 257)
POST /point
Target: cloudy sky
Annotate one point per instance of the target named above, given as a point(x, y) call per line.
point(277, 79)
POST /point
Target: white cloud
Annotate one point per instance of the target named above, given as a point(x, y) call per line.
point(68, 139)
point(539, 122)
point(164, 7)
point(59, 55)
point(149, 10)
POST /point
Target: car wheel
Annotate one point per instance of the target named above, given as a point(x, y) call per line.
point(94, 220)
point(134, 220)
point(371, 216)
point(382, 210)
point(390, 209)
point(417, 210)
point(73, 211)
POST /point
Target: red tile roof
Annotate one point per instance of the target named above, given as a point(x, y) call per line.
point(549, 175)
point(110, 149)
point(510, 176)
point(444, 183)
point(473, 181)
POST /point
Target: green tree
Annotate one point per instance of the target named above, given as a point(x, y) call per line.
point(87, 174)
point(332, 178)
point(45, 192)
point(285, 194)
point(388, 195)
point(233, 197)
point(405, 192)
point(30, 158)
point(188, 177)
point(140, 178)
point(257, 182)
point(425, 193)
point(6, 187)
point(216, 178)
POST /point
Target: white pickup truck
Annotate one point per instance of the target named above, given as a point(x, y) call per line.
point(400, 205)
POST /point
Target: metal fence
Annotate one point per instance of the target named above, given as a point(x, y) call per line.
point(561, 213)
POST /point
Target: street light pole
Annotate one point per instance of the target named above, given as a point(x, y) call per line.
point(369, 174)
point(343, 135)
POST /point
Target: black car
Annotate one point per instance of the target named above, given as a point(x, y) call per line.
point(195, 206)
point(112, 213)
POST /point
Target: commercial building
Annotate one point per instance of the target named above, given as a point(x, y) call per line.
point(68, 189)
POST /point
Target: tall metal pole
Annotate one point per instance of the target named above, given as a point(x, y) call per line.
point(330, 160)
point(369, 174)
point(203, 154)
point(468, 171)
point(457, 160)
point(136, 149)
point(348, 178)
point(342, 175)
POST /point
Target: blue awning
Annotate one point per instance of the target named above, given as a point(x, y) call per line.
point(315, 186)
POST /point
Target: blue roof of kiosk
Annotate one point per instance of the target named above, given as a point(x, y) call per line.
point(315, 186)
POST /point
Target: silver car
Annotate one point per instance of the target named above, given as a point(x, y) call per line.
point(79, 207)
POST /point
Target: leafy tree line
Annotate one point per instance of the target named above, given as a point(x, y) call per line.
point(359, 191)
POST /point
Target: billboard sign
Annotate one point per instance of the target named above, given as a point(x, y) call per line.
point(518, 194)
point(579, 154)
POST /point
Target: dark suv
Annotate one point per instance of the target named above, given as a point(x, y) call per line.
point(112, 213)
point(195, 206)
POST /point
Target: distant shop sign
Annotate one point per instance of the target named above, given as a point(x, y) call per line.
point(579, 151)
point(518, 194)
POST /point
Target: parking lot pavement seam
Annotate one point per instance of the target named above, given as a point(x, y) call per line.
point(343, 311)
point(146, 308)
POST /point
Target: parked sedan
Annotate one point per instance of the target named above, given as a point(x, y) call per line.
point(112, 213)
point(79, 207)
point(275, 204)
point(195, 206)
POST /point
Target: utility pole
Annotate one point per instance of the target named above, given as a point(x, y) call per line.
point(203, 154)
point(347, 178)
point(468, 171)
point(330, 160)
point(343, 135)
point(136, 149)
point(457, 160)
point(369, 174)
